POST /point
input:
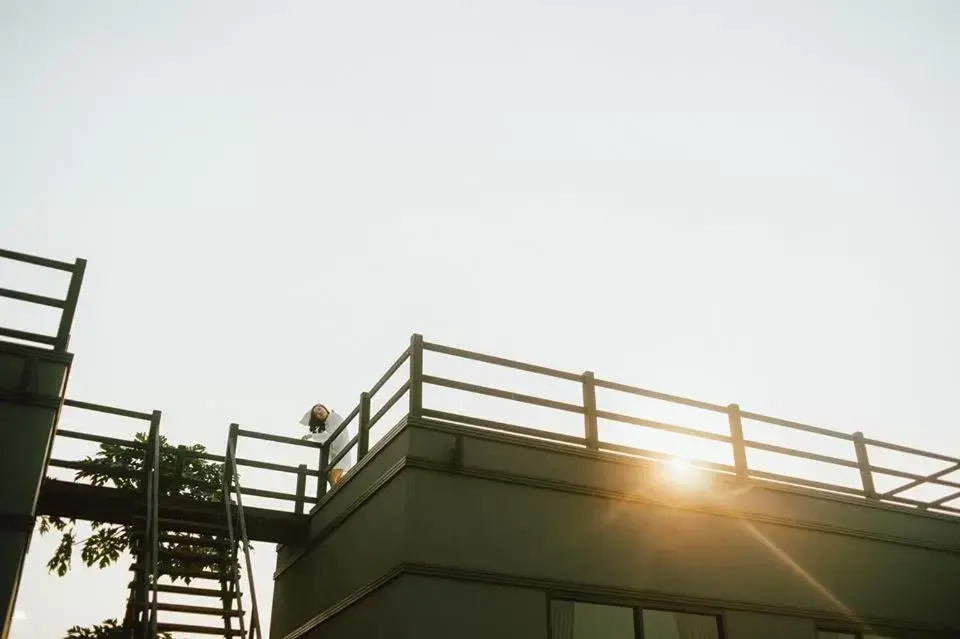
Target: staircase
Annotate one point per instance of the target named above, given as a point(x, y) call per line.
point(187, 573)
point(197, 564)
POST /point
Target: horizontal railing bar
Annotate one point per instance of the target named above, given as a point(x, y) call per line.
point(921, 481)
point(31, 297)
point(270, 494)
point(796, 425)
point(495, 392)
point(943, 500)
point(912, 451)
point(674, 399)
point(826, 459)
point(343, 453)
point(100, 439)
point(907, 475)
point(33, 259)
point(504, 426)
point(27, 336)
point(110, 410)
point(673, 428)
point(278, 438)
point(389, 403)
point(799, 481)
point(104, 469)
point(390, 371)
point(211, 457)
point(916, 503)
point(346, 422)
point(252, 463)
point(499, 361)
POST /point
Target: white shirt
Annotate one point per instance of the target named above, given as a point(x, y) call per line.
point(337, 445)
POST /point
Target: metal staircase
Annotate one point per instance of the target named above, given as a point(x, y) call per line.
point(171, 555)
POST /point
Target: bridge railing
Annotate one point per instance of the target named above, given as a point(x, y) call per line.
point(730, 442)
point(144, 479)
point(372, 411)
point(67, 305)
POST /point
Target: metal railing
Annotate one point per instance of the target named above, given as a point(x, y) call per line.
point(739, 445)
point(592, 412)
point(231, 482)
point(359, 443)
point(143, 602)
point(67, 306)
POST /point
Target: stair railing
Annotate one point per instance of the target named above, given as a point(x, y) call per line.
point(153, 517)
point(231, 476)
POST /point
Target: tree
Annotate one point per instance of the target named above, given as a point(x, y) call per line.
point(118, 466)
point(108, 629)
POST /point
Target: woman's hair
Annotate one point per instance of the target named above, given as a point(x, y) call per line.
point(316, 424)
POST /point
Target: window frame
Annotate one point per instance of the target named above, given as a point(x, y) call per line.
point(638, 607)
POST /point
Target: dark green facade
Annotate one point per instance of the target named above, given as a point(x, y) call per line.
point(450, 531)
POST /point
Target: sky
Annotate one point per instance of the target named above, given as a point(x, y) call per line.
point(752, 202)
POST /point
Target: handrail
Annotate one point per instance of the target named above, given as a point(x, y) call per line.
point(735, 438)
point(67, 306)
point(231, 474)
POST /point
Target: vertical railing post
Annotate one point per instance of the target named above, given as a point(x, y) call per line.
point(363, 437)
point(154, 534)
point(178, 469)
point(737, 441)
point(416, 376)
point(301, 488)
point(324, 469)
point(591, 429)
point(232, 437)
point(70, 305)
point(863, 463)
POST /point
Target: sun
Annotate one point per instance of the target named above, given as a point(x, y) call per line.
point(682, 473)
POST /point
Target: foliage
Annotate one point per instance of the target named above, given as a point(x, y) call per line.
point(118, 466)
point(108, 629)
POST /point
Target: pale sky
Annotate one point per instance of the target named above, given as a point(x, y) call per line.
point(753, 202)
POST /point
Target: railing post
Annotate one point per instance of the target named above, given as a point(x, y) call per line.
point(178, 469)
point(324, 469)
point(863, 463)
point(363, 437)
point(416, 376)
point(232, 436)
point(301, 488)
point(591, 428)
point(736, 440)
point(70, 305)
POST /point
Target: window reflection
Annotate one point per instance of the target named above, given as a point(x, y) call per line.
point(666, 624)
point(578, 620)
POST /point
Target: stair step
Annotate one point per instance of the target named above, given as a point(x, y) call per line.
point(197, 610)
point(185, 555)
point(178, 525)
point(192, 573)
point(198, 630)
point(212, 542)
point(192, 590)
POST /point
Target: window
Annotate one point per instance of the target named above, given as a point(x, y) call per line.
point(580, 620)
point(668, 624)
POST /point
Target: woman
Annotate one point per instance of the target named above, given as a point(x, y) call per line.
point(322, 423)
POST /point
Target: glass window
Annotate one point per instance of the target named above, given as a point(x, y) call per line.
point(579, 620)
point(666, 624)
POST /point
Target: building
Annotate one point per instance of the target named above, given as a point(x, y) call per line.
point(457, 526)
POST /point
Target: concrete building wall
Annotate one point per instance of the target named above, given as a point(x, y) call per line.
point(490, 528)
point(31, 389)
point(357, 538)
